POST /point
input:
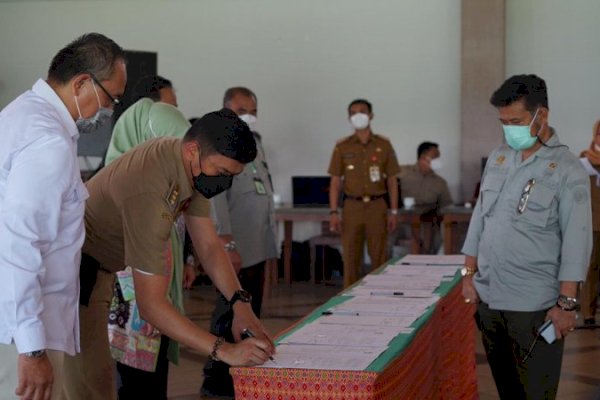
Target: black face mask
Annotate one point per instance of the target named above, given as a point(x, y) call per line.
point(210, 186)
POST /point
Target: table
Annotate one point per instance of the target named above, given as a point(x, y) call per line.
point(436, 361)
point(453, 215)
point(288, 215)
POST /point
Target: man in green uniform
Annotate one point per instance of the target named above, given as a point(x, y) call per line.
point(364, 165)
point(132, 205)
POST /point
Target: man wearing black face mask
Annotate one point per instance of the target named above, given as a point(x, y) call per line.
point(133, 203)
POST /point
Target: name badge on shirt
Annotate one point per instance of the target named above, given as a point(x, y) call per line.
point(374, 173)
point(259, 186)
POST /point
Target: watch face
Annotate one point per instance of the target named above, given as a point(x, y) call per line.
point(463, 271)
point(245, 296)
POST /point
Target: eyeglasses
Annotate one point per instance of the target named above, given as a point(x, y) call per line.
point(112, 99)
point(525, 196)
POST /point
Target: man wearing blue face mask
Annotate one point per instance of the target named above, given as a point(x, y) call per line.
point(42, 203)
point(528, 244)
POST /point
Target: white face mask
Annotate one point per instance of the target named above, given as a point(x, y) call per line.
point(359, 121)
point(102, 116)
point(250, 120)
point(436, 164)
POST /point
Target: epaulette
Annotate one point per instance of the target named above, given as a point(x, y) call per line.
point(343, 139)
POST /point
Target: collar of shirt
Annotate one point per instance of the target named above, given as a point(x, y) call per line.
point(185, 189)
point(42, 89)
point(354, 138)
point(553, 141)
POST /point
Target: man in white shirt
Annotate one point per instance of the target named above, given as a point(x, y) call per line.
point(42, 203)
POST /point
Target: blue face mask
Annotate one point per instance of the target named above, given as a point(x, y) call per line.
point(519, 137)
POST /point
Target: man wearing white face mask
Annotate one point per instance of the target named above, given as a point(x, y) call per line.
point(42, 203)
point(364, 165)
point(429, 191)
point(244, 216)
point(528, 245)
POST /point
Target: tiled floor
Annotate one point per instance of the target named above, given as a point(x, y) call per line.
point(580, 378)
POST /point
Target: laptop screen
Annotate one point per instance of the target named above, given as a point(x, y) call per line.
point(310, 191)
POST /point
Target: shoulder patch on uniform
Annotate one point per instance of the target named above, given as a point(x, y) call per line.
point(172, 196)
point(580, 194)
point(343, 139)
point(500, 159)
point(377, 135)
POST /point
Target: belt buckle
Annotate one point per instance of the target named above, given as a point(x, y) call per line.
point(366, 199)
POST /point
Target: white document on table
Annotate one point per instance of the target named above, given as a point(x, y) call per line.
point(382, 306)
point(403, 323)
point(374, 291)
point(324, 357)
point(427, 259)
point(398, 282)
point(421, 270)
point(350, 335)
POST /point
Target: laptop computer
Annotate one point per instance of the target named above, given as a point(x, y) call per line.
point(310, 191)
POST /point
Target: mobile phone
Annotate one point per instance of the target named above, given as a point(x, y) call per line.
point(547, 331)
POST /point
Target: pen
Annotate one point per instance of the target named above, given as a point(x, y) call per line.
point(249, 333)
point(387, 293)
point(340, 312)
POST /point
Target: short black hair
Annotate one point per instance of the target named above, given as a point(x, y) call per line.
point(224, 133)
point(361, 101)
point(425, 147)
point(90, 53)
point(237, 90)
point(150, 86)
point(529, 88)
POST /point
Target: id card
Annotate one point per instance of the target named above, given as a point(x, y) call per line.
point(374, 173)
point(259, 186)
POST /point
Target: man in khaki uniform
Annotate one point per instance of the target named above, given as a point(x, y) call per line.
point(365, 165)
point(132, 205)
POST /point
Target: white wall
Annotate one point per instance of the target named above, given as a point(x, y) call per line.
point(306, 60)
point(559, 41)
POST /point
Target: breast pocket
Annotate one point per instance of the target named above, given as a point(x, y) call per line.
point(244, 183)
point(490, 190)
point(538, 207)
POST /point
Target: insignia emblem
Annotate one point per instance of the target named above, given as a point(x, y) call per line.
point(172, 196)
point(350, 167)
point(500, 160)
point(552, 165)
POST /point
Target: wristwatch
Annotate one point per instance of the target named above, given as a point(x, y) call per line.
point(467, 271)
point(35, 354)
point(568, 303)
point(242, 295)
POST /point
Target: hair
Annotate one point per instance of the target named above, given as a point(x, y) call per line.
point(361, 101)
point(224, 133)
point(235, 91)
point(90, 53)
point(425, 147)
point(529, 88)
point(150, 86)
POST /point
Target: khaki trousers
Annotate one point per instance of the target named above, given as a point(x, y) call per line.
point(589, 291)
point(9, 379)
point(90, 374)
point(362, 221)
